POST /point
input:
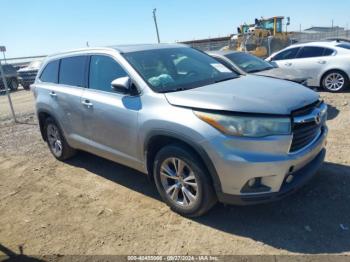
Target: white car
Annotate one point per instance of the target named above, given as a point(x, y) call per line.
point(325, 64)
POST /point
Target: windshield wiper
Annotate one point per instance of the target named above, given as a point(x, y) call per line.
point(173, 90)
point(260, 69)
point(225, 79)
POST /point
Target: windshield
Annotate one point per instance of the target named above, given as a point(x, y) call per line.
point(174, 69)
point(35, 64)
point(248, 62)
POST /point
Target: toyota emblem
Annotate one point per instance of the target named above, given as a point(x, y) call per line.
point(318, 119)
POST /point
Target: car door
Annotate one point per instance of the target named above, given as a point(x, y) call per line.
point(285, 59)
point(311, 60)
point(71, 83)
point(110, 117)
point(61, 85)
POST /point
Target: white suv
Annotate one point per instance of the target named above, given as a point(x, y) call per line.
point(326, 64)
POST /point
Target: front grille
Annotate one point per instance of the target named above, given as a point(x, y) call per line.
point(28, 74)
point(306, 109)
point(304, 132)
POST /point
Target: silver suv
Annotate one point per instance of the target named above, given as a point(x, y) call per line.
point(201, 131)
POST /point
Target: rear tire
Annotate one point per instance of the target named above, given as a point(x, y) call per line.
point(335, 81)
point(182, 181)
point(56, 141)
point(13, 85)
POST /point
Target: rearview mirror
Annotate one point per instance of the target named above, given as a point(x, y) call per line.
point(121, 84)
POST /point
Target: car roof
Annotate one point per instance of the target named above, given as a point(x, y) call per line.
point(119, 49)
point(320, 43)
point(144, 47)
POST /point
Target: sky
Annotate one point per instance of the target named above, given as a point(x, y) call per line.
point(42, 27)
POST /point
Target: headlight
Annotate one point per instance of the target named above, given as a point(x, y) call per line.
point(246, 125)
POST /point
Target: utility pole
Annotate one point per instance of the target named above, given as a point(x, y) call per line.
point(3, 50)
point(155, 23)
point(7, 90)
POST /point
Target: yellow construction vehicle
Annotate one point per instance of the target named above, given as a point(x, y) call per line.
point(262, 38)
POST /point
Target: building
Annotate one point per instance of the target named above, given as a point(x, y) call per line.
point(323, 29)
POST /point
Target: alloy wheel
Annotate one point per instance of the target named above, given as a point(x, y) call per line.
point(179, 182)
point(334, 82)
point(54, 139)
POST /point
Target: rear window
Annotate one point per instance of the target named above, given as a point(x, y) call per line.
point(9, 69)
point(72, 71)
point(50, 73)
point(344, 45)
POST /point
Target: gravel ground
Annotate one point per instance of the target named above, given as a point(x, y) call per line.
point(93, 206)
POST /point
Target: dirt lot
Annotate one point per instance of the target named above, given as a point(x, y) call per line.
point(93, 206)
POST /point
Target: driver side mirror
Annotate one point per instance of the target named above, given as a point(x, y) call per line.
point(121, 84)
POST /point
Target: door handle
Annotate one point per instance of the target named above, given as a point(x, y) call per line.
point(87, 103)
point(53, 94)
point(288, 64)
point(322, 62)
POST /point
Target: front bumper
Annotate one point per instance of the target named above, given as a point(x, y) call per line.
point(26, 81)
point(300, 178)
point(238, 161)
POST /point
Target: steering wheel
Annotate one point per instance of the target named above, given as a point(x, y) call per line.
point(248, 67)
point(191, 73)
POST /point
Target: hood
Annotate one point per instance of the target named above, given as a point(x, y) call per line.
point(27, 69)
point(290, 74)
point(247, 94)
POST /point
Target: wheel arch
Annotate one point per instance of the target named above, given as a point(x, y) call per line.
point(42, 116)
point(157, 140)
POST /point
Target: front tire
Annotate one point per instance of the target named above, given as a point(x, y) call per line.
point(56, 141)
point(182, 181)
point(26, 87)
point(335, 81)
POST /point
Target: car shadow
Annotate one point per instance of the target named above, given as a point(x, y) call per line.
point(314, 220)
point(332, 112)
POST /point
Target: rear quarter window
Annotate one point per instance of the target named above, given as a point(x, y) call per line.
point(328, 52)
point(50, 72)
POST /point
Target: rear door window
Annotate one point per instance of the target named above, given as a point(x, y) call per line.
point(73, 71)
point(287, 54)
point(50, 73)
point(103, 70)
point(311, 51)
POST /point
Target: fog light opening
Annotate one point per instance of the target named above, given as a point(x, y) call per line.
point(291, 169)
point(289, 179)
point(251, 182)
point(254, 185)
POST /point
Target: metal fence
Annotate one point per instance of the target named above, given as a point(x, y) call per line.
point(311, 37)
point(302, 37)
